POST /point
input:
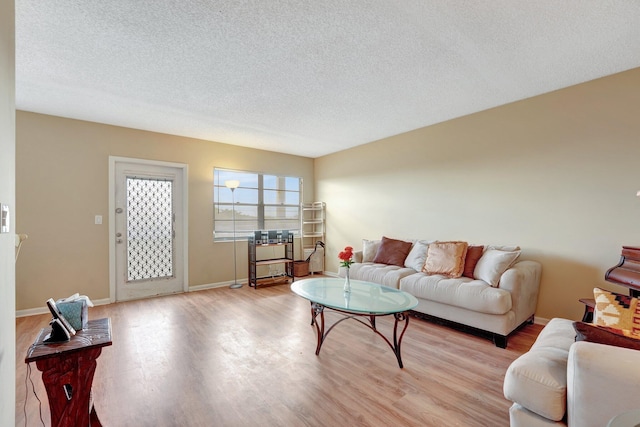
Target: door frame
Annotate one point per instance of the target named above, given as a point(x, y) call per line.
point(184, 171)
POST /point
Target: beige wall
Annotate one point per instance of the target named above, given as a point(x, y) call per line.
point(7, 197)
point(62, 183)
point(556, 174)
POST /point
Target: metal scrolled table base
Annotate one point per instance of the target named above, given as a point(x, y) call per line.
point(400, 317)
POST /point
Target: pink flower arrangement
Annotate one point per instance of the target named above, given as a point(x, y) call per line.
point(346, 257)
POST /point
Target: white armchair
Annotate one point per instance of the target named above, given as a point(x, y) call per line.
point(560, 382)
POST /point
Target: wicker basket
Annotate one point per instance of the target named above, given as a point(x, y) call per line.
point(301, 268)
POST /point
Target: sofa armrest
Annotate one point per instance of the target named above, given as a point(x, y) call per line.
point(523, 281)
point(602, 382)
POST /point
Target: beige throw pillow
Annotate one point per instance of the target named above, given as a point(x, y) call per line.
point(446, 258)
point(369, 249)
point(493, 263)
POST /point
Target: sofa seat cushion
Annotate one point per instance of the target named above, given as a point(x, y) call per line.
point(537, 380)
point(383, 274)
point(463, 292)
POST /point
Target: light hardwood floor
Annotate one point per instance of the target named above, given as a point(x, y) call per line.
point(241, 357)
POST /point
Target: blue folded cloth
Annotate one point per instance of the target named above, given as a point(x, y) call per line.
point(75, 312)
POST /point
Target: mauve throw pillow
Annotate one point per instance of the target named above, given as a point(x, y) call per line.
point(473, 255)
point(392, 252)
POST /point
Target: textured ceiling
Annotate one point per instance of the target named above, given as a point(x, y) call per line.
point(308, 77)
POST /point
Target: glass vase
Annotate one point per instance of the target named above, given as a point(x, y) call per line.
point(347, 282)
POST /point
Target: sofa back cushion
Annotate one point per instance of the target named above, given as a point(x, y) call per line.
point(392, 252)
point(446, 258)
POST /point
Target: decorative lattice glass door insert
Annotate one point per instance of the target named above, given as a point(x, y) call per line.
point(149, 229)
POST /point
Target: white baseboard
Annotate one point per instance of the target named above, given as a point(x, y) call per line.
point(210, 286)
point(45, 310)
point(540, 321)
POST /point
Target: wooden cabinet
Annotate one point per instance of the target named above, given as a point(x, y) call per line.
point(265, 257)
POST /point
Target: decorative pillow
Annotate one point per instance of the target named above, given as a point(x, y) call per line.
point(473, 255)
point(506, 248)
point(605, 335)
point(369, 249)
point(392, 252)
point(446, 258)
point(417, 256)
point(616, 311)
point(493, 263)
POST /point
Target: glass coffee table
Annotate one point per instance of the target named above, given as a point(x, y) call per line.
point(366, 300)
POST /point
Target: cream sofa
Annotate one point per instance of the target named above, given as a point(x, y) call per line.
point(495, 310)
point(561, 382)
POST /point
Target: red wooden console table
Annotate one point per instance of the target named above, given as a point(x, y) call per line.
point(67, 372)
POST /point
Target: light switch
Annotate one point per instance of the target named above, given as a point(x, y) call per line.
point(98, 220)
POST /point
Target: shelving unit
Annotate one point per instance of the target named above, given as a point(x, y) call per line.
point(313, 229)
point(284, 257)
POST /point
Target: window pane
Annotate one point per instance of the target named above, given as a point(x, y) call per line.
point(247, 179)
point(292, 198)
point(246, 213)
point(224, 229)
point(272, 182)
point(282, 224)
point(242, 195)
point(274, 197)
point(225, 212)
point(222, 212)
point(288, 212)
point(292, 184)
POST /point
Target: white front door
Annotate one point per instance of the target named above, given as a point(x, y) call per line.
point(148, 230)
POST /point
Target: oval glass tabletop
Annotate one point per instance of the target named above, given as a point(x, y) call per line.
point(365, 297)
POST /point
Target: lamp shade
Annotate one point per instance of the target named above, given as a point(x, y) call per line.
point(232, 183)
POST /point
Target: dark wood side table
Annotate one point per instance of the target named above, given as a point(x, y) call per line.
point(67, 372)
point(589, 307)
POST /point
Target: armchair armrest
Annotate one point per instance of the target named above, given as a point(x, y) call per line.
point(602, 382)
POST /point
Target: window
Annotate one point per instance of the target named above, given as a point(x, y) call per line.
point(262, 202)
